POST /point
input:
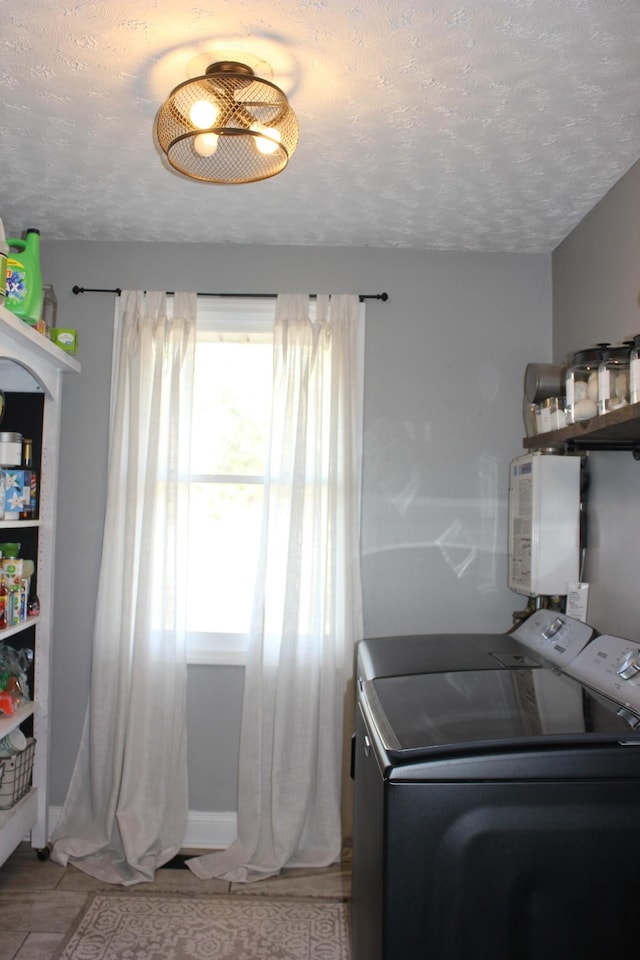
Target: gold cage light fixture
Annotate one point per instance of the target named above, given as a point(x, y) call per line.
point(227, 126)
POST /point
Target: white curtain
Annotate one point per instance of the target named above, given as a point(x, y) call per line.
point(308, 610)
point(126, 809)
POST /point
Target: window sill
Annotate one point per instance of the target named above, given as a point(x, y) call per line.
point(216, 651)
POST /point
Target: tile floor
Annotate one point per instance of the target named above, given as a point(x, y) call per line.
point(40, 900)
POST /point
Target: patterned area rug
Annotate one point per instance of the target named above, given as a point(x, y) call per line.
point(179, 927)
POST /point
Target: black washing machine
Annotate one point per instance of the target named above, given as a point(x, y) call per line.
point(497, 795)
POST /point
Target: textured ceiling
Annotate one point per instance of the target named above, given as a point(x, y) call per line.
point(478, 124)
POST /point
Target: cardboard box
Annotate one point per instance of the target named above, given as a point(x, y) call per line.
point(17, 491)
point(65, 338)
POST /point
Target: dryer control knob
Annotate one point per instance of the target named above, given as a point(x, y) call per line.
point(549, 632)
point(629, 666)
point(629, 717)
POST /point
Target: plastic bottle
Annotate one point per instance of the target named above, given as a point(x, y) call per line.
point(4, 254)
point(33, 606)
point(24, 293)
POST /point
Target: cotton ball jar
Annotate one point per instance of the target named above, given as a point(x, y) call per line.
point(582, 384)
point(622, 386)
point(584, 409)
point(580, 391)
point(613, 379)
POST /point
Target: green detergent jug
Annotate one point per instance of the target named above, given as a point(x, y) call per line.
point(24, 281)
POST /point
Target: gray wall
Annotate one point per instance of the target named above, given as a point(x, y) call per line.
point(444, 365)
point(596, 279)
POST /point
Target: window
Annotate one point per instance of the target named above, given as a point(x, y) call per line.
point(231, 417)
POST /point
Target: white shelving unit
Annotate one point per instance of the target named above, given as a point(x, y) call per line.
point(29, 363)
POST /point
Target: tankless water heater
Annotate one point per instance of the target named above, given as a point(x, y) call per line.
point(544, 523)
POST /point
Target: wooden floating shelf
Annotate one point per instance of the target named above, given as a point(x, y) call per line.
point(617, 430)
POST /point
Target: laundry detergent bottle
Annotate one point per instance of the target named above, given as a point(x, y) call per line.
point(24, 280)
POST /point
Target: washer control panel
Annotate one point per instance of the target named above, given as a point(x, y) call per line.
point(557, 637)
point(612, 666)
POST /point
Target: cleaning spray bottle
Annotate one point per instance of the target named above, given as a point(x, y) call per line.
point(24, 281)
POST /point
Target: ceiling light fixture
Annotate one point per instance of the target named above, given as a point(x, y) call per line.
point(228, 126)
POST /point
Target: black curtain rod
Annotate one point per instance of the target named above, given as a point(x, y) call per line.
point(261, 296)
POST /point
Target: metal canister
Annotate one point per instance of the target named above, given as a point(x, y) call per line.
point(542, 380)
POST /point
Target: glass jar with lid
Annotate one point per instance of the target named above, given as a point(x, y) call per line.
point(613, 378)
point(582, 384)
point(550, 415)
point(49, 313)
point(10, 450)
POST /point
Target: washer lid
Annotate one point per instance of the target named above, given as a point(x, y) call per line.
point(546, 633)
point(427, 714)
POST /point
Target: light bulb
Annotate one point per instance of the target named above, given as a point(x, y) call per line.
point(264, 144)
point(203, 114)
point(206, 144)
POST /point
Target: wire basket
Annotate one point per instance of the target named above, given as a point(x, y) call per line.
point(15, 780)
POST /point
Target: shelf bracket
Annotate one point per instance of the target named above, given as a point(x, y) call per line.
point(576, 446)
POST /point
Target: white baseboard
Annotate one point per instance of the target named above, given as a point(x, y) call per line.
point(205, 829)
point(211, 829)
